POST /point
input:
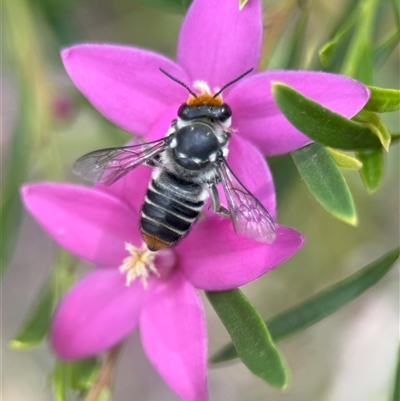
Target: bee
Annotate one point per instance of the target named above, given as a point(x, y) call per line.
point(187, 163)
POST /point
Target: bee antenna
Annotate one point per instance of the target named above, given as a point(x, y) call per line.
point(178, 82)
point(232, 82)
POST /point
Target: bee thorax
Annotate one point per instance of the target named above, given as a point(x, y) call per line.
point(195, 144)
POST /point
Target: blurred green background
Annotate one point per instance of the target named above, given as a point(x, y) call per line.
point(47, 125)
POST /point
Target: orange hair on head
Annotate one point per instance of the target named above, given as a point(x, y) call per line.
point(204, 98)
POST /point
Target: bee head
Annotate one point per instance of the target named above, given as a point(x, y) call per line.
point(205, 104)
point(216, 112)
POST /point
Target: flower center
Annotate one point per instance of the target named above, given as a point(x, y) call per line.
point(140, 263)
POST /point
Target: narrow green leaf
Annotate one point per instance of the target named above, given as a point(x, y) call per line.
point(383, 100)
point(178, 6)
point(296, 45)
point(321, 124)
point(325, 181)
point(385, 49)
point(250, 336)
point(396, 9)
point(344, 160)
point(35, 114)
point(10, 217)
point(242, 3)
point(333, 52)
point(332, 298)
point(36, 325)
point(60, 381)
point(358, 61)
point(329, 51)
point(284, 173)
point(83, 374)
point(16, 169)
point(105, 395)
point(325, 54)
point(396, 387)
point(58, 18)
point(322, 304)
point(395, 136)
point(373, 169)
point(73, 378)
point(376, 125)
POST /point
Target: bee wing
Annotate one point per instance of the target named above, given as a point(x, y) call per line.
point(249, 216)
point(109, 165)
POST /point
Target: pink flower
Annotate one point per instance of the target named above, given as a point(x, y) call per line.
point(217, 43)
point(131, 287)
point(100, 225)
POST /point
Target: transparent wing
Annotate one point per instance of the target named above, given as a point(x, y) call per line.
point(248, 215)
point(108, 165)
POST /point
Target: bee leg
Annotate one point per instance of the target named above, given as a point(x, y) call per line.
point(154, 162)
point(215, 203)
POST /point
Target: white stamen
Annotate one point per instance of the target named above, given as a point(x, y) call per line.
point(140, 263)
point(202, 87)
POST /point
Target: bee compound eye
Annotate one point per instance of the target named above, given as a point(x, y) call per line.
point(225, 112)
point(185, 111)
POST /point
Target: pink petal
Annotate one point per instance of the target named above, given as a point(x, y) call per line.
point(231, 260)
point(174, 337)
point(259, 120)
point(250, 167)
point(124, 83)
point(163, 124)
point(217, 42)
point(89, 223)
point(97, 313)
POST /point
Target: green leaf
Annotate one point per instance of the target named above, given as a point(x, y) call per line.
point(376, 125)
point(383, 100)
point(242, 3)
point(327, 53)
point(396, 9)
point(284, 173)
point(105, 395)
point(17, 167)
point(322, 304)
point(396, 388)
point(296, 45)
point(61, 377)
point(373, 169)
point(385, 49)
point(34, 118)
point(250, 336)
point(325, 181)
point(344, 160)
point(83, 374)
point(335, 48)
point(321, 124)
point(78, 376)
point(36, 325)
point(358, 61)
point(10, 216)
point(395, 136)
point(333, 52)
point(178, 6)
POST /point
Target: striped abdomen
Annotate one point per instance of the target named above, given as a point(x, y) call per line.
point(171, 207)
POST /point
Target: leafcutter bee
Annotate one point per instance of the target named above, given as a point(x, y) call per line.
point(187, 165)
